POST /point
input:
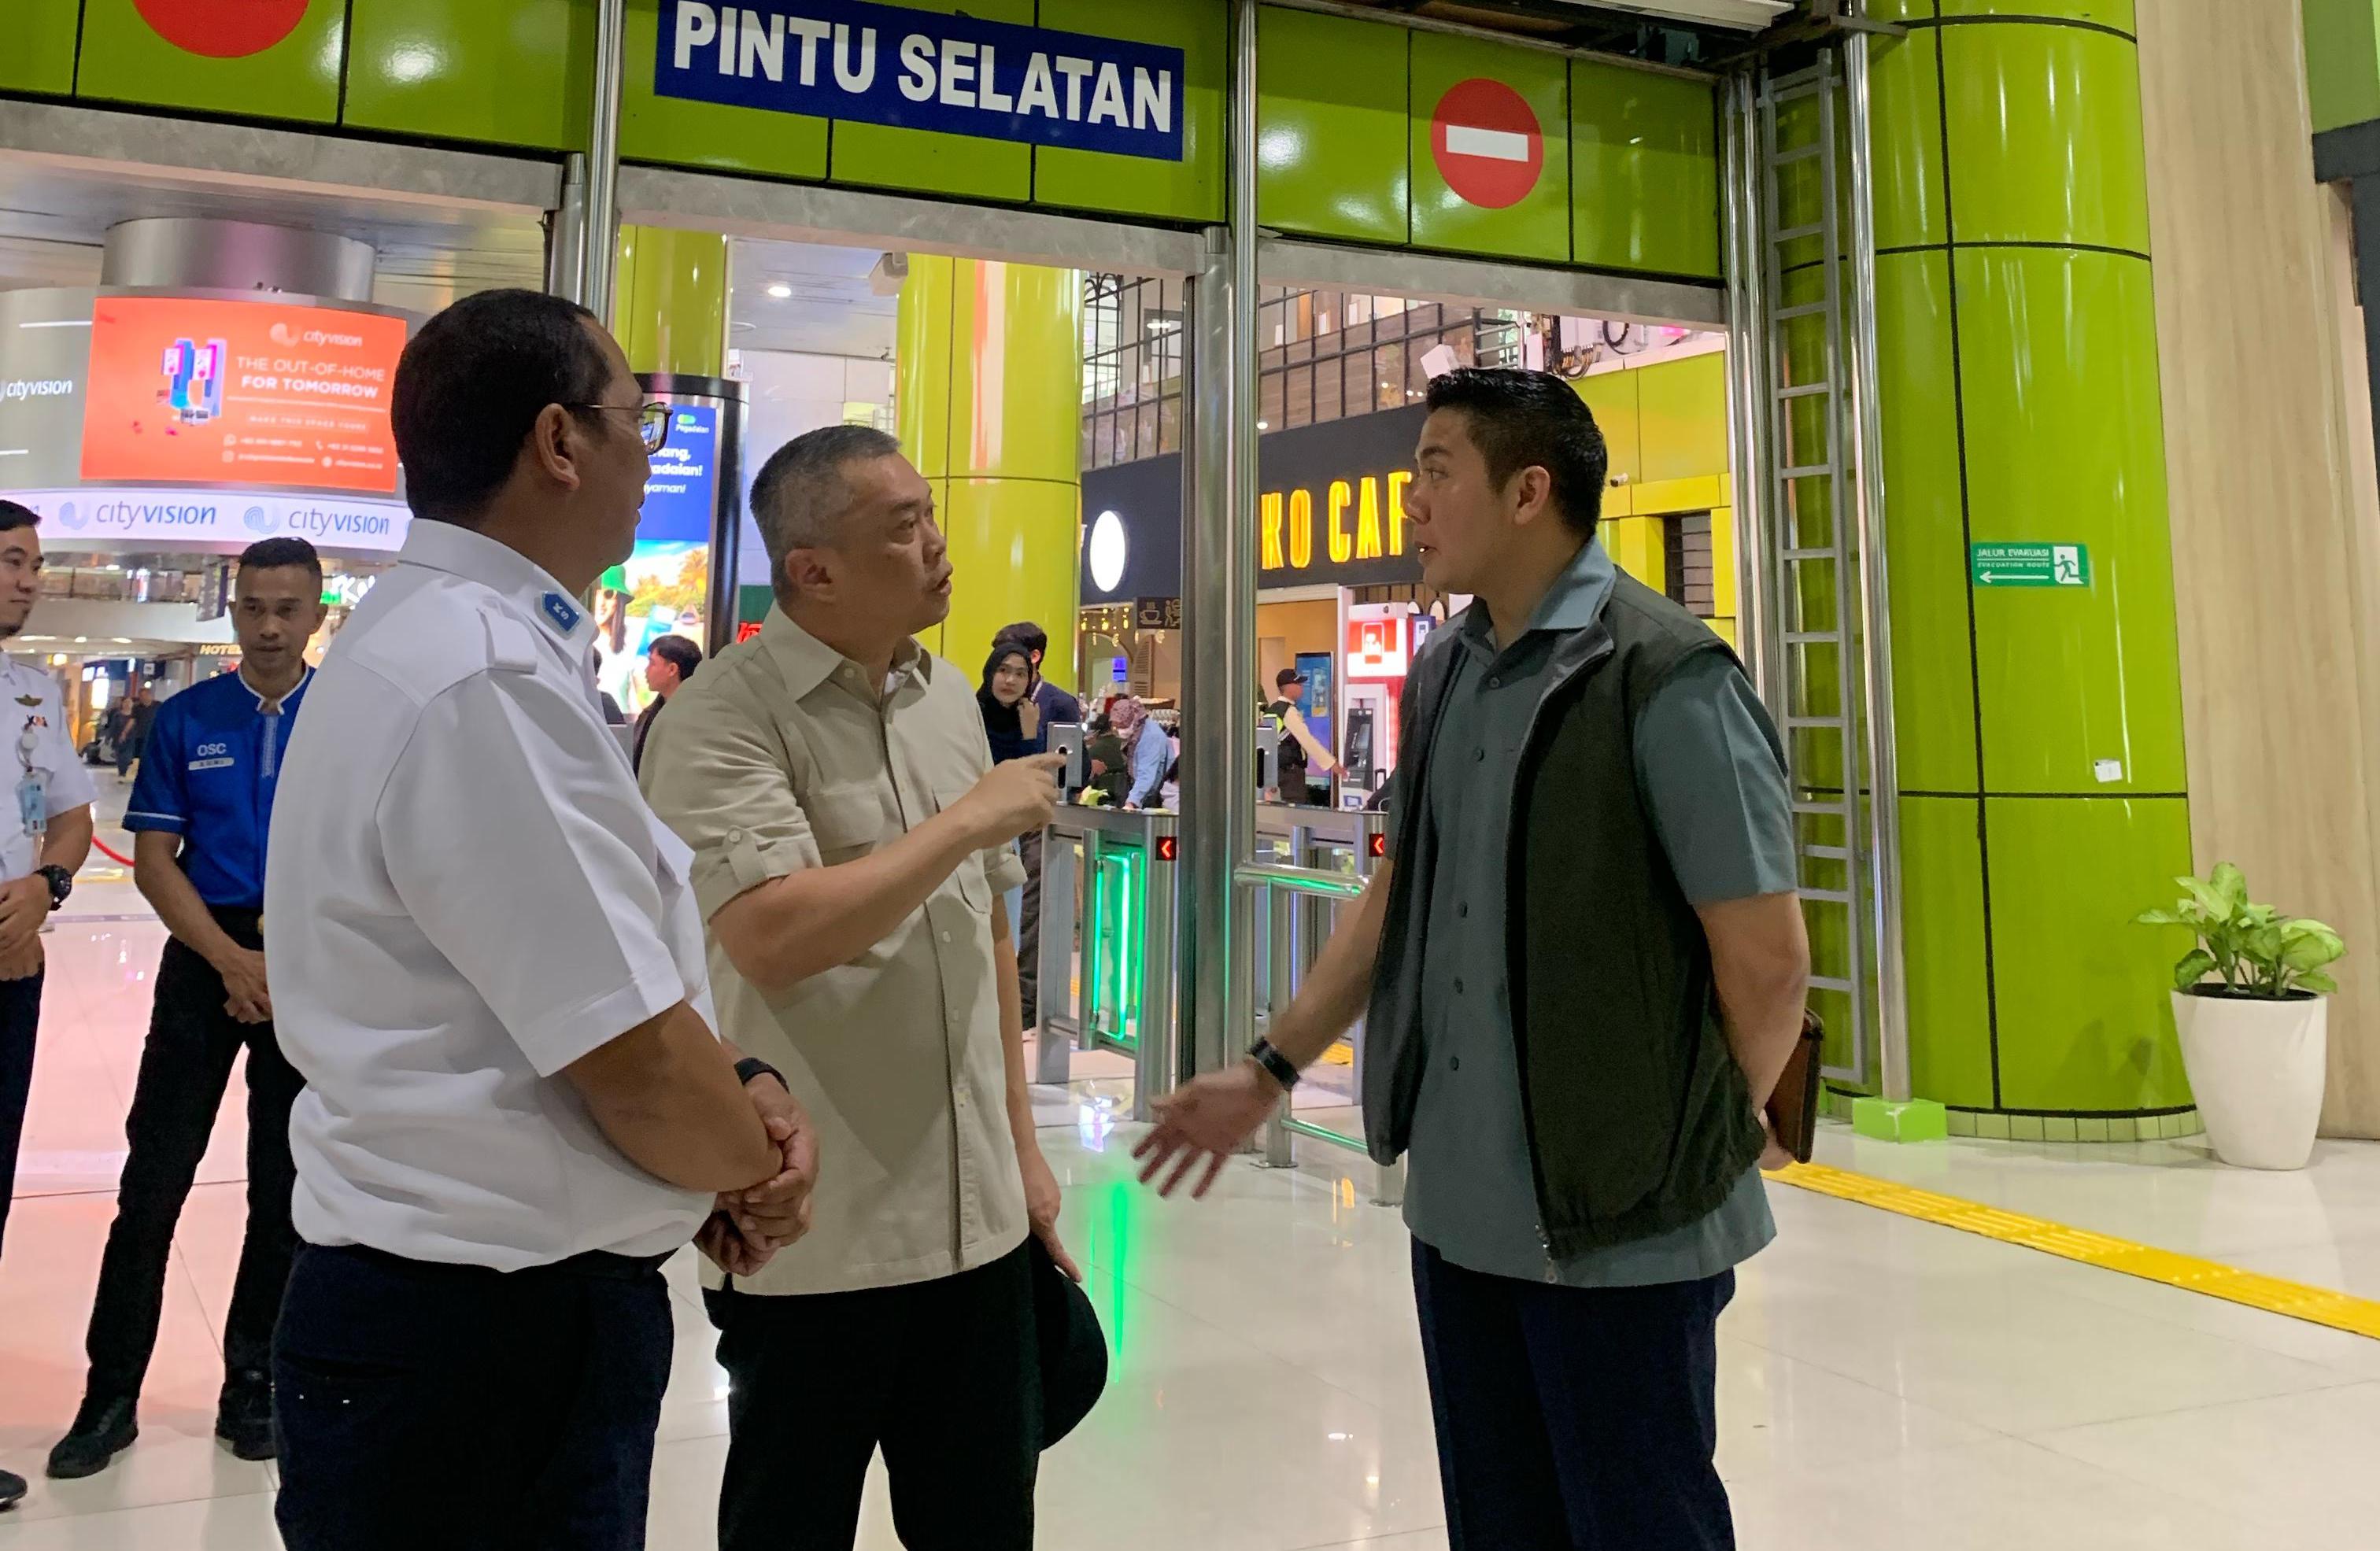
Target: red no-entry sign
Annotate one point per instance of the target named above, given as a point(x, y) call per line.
point(222, 29)
point(1488, 145)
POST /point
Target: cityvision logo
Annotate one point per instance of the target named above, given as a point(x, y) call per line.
point(338, 524)
point(150, 516)
point(130, 516)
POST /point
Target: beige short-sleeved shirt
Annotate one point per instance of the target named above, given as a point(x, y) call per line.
point(780, 755)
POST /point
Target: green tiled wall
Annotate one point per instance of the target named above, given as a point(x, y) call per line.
point(124, 59)
point(1629, 181)
point(40, 56)
point(1540, 226)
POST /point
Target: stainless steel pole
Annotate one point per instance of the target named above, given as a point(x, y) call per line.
point(1219, 605)
point(1235, 701)
point(1747, 378)
point(565, 232)
point(599, 258)
point(1875, 597)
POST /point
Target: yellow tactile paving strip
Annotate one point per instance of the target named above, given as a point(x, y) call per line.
point(2316, 1305)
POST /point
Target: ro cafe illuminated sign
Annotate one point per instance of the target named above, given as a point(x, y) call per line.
point(1360, 519)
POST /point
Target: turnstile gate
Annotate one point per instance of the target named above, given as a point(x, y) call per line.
point(1108, 944)
point(1298, 845)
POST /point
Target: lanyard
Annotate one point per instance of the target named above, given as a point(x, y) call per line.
point(32, 784)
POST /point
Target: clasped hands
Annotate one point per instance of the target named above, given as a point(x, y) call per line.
point(24, 906)
point(748, 1227)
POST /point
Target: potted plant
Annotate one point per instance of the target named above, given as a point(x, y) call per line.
point(2249, 1005)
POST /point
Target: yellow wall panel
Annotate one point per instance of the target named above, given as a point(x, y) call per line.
point(1636, 547)
point(1612, 398)
point(1681, 419)
point(1702, 492)
point(1723, 536)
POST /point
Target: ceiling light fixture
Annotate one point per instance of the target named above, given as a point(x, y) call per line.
point(1750, 15)
point(780, 291)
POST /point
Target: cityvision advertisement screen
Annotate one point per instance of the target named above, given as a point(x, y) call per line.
point(191, 390)
point(665, 585)
point(207, 420)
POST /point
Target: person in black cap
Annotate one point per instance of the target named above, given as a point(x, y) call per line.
point(1301, 751)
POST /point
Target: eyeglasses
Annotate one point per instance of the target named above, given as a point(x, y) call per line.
point(652, 420)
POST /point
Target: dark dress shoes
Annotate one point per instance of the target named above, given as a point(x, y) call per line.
point(243, 1415)
point(103, 1428)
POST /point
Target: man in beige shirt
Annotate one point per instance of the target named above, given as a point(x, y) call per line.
point(852, 842)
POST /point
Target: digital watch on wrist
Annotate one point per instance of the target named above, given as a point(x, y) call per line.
point(61, 883)
point(1279, 1068)
point(753, 1066)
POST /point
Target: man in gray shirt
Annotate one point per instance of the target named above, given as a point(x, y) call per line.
point(1586, 967)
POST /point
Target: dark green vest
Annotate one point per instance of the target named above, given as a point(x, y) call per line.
point(1639, 1119)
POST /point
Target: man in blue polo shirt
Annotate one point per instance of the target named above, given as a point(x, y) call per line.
point(199, 814)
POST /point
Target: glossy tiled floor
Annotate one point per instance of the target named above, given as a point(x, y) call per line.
point(1884, 1383)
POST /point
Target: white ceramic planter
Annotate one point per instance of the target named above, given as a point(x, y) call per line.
point(2256, 1068)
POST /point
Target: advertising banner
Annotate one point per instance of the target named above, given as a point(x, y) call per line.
point(663, 590)
point(912, 69)
point(229, 520)
point(195, 390)
point(684, 489)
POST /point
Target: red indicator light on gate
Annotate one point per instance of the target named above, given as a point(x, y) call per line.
point(1380, 846)
point(1168, 847)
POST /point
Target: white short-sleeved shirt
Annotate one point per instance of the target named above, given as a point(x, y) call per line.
point(464, 894)
point(37, 738)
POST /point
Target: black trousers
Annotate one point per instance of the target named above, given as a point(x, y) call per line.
point(185, 1067)
point(1571, 1417)
point(453, 1406)
point(21, 1018)
point(943, 1376)
point(1028, 929)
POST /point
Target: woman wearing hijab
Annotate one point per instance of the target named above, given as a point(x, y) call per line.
point(1012, 725)
point(1010, 720)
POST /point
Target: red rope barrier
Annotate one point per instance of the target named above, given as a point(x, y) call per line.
point(110, 852)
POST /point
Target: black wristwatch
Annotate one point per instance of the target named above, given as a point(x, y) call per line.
point(1277, 1066)
point(61, 883)
point(753, 1066)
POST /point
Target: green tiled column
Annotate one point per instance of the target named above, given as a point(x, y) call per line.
point(670, 312)
point(2038, 731)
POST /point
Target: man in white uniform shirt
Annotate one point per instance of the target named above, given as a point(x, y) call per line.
point(43, 842)
point(488, 967)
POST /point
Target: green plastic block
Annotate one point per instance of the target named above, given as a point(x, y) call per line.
point(1915, 1119)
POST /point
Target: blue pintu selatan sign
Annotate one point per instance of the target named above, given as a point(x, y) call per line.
point(877, 64)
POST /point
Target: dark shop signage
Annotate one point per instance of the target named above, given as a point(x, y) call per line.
point(911, 69)
point(1329, 509)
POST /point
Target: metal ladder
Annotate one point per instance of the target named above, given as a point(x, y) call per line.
point(1812, 551)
